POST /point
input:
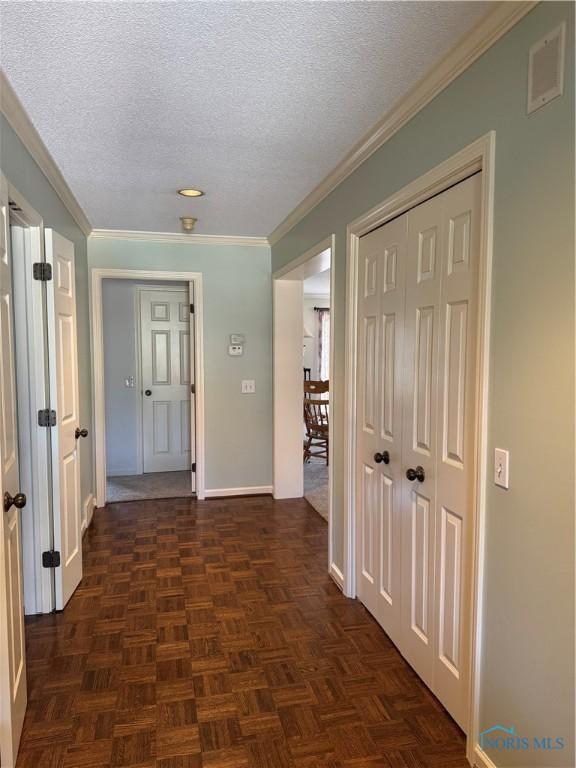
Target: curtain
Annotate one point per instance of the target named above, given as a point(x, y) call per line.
point(323, 343)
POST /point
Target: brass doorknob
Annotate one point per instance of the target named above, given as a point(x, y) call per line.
point(17, 501)
point(416, 474)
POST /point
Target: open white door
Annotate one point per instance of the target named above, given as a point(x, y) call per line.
point(167, 380)
point(64, 400)
point(12, 643)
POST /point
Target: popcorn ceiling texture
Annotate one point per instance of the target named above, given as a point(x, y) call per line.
point(253, 102)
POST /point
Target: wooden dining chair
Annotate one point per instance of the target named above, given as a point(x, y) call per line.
point(316, 420)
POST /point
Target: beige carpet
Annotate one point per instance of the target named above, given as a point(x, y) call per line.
point(316, 486)
point(153, 485)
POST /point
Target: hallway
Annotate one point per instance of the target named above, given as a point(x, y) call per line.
point(208, 634)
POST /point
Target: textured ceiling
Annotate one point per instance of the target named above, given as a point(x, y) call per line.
point(254, 102)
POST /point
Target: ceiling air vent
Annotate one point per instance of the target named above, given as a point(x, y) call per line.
point(546, 69)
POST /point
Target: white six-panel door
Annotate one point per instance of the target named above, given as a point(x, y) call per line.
point(12, 642)
point(64, 399)
point(167, 378)
point(416, 397)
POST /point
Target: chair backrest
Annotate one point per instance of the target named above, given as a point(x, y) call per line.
point(316, 387)
point(316, 408)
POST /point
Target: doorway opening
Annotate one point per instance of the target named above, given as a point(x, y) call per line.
point(316, 344)
point(303, 372)
point(148, 384)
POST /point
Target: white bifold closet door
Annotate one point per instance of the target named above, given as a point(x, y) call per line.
point(167, 380)
point(417, 329)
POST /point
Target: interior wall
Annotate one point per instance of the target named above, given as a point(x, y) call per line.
point(528, 623)
point(311, 324)
point(120, 320)
point(22, 172)
point(237, 299)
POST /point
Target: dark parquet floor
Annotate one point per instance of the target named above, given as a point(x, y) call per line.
point(208, 635)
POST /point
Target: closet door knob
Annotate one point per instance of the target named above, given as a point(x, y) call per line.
point(148, 392)
point(382, 458)
point(80, 433)
point(416, 474)
point(18, 501)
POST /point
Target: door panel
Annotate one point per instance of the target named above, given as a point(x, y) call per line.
point(381, 320)
point(458, 305)
point(424, 249)
point(168, 375)
point(64, 399)
point(12, 643)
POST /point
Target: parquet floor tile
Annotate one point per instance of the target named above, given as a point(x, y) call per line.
point(208, 635)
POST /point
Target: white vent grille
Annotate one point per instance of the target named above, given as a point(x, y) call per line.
point(546, 69)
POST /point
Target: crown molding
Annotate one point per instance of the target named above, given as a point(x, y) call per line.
point(177, 237)
point(481, 37)
point(11, 107)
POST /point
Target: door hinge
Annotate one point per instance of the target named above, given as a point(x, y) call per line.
point(50, 559)
point(46, 418)
point(193, 388)
point(41, 270)
point(194, 466)
point(191, 309)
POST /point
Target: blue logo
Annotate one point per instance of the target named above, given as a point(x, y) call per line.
point(501, 737)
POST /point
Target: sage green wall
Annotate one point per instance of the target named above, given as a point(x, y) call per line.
point(23, 173)
point(237, 299)
point(527, 672)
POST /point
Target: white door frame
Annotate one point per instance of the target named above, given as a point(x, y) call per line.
point(32, 396)
point(478, 156)
point(194, 279)
point(287, 345)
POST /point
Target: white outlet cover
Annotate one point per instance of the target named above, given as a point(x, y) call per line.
point(248, 387)
point(501, 467)
point(234, 350)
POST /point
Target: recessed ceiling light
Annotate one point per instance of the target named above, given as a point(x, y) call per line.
point(190, 192)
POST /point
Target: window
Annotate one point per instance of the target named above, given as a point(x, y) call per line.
point(323, 343)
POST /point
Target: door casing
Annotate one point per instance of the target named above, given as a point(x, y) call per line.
point(478, 156)
point(194, 279)
point(32, 394)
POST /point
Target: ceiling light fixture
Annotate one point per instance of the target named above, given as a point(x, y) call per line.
point(190, 192)
point(188, 223)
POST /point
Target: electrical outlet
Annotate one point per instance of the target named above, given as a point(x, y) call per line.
point(501, 467)
point(248, 387)
point(235, 350)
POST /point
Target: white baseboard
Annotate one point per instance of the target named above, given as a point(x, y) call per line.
point(481, 759)
point(337, 575)
point(255, 490)
point(87, 511)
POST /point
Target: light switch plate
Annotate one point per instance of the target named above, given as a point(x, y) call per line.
point(237, 338)
point(248, 387)
point(501, 467)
